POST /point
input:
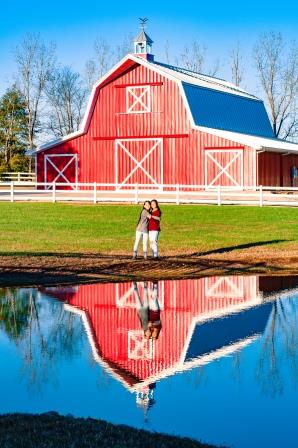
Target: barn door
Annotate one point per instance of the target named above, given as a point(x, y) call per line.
point(224, 167)
point(61, 168)
point(139, 161)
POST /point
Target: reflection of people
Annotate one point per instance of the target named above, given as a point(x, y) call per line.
point(293, 175)
point(154, 227)
point(148, 310)
point(142, 230)
point(154, 323)
point(142, 307)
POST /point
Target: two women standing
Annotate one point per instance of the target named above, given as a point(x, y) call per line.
point(148, 227)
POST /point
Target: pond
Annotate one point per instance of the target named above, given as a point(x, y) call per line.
point(219, 363)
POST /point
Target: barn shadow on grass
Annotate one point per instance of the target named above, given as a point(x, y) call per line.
point(223, 250)
point(115, 257)
point(50, 268)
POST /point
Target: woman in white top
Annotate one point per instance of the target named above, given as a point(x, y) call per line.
point(142, 231)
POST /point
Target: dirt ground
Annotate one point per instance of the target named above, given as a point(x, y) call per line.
point(50, 268)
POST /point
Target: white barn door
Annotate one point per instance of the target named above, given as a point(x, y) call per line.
point(139, 161)
point(61, 168)
point(224, 167)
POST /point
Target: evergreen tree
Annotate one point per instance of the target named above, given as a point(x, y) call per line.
point(13, 141)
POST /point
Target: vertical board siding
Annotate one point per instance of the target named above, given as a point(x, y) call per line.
point(183, 158)
point(182, 303)
point(269, 169)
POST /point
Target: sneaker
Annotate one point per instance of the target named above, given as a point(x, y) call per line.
point(134, 257)
point(145, 255)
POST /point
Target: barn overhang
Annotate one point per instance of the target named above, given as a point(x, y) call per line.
point(260, 144)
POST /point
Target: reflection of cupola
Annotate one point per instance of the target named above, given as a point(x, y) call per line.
point(143, 43)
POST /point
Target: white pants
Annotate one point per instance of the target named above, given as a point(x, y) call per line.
point(139, 236)
point(153, 237)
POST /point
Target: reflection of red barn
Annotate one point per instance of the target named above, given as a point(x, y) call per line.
point(115, 334)
point(152, 123)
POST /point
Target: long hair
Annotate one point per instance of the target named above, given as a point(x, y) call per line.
point(157, 205)
point(142, 211)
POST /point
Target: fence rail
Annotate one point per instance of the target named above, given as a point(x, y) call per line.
point(18, 177)
point(135, 193)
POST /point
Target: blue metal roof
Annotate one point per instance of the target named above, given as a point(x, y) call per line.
point(220, 110)
point(214, 334)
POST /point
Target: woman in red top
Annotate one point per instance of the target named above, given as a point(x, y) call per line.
point(154, 227)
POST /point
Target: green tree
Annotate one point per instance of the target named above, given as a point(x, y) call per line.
point(13, 141)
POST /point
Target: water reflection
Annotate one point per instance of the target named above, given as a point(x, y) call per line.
point(143, 332)
point(43, 332)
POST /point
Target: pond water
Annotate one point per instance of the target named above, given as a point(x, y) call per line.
point(217, 361)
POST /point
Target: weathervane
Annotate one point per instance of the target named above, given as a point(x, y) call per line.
point(143, 22)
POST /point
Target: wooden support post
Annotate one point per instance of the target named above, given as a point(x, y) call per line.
point(54, 192)
point(11, 191)
point(218, 195)
point(261, 195)
point(94, 193)
point(136, 194)
point(177, 194)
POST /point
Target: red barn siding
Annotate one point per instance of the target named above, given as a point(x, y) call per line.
point(269, 169)
point(183, 157)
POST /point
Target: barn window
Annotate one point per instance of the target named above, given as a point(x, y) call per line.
point(138, 100)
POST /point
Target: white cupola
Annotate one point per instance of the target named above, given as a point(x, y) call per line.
point(143, 43)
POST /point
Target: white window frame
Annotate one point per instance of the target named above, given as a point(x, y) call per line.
point(145, 92)
point(238, 153)
point(72, 157)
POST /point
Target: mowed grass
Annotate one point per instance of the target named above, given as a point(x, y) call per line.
point(110, 229)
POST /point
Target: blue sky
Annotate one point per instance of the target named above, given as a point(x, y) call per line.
point(74, 26)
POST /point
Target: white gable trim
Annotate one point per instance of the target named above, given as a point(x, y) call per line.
point(84, 125)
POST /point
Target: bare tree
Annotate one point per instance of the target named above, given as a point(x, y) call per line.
point(167, 52)
point(192, 57)
point(123, 48)
point(277, 68)
point(66, 95)
point(96, 67)
point(35, 61)
point(105, 57)
point(236, 60)
point(90, 73)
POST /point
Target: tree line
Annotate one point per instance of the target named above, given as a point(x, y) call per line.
point(47, 100)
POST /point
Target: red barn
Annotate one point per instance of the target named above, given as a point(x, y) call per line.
point(152, 123)
point(193, 332)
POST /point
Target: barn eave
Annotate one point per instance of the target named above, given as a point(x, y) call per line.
point(256, 142)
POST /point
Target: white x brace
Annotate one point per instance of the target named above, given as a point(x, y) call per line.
point(224, 168)
point(157, 144)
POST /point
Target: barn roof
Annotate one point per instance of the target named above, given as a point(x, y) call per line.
point(214, 105)
point(223, 110)
point(199, 79)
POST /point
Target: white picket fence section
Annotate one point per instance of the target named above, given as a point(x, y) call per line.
point(138, 193)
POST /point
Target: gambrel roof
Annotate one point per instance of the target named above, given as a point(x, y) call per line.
point(227, 111)
point(214, 106)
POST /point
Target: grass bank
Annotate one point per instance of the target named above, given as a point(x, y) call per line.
point(66, 243)
point(109, 229)
point(51, 430)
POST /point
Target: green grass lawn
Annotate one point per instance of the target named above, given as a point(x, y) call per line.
point(109, 229)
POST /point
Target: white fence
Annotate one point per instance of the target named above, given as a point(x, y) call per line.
point(18, 177)
point(137, 193)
